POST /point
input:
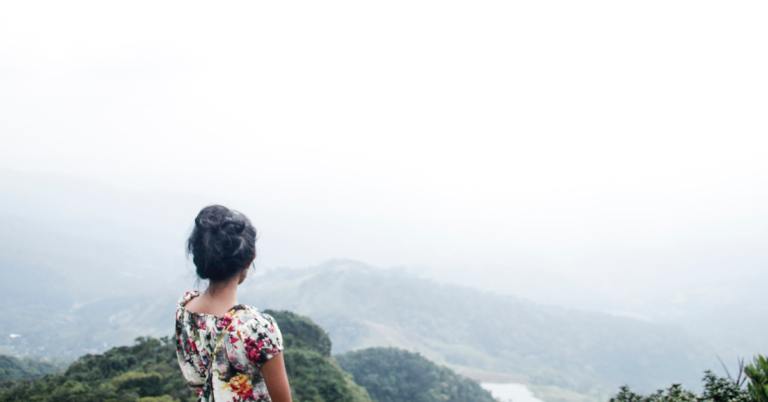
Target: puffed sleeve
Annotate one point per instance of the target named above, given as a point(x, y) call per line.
point(263, 339)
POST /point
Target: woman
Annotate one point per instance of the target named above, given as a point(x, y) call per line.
point(227, 351)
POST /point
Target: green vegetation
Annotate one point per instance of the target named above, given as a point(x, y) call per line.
point(675, 393)
point(149, 372)
point(758, 375)
point(301, 332)
point(146, 371)
point(313, 374)
point(393, 375)
point(716, 389)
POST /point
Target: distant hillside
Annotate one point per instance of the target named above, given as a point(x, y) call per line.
point(101, 265)
point(586, 352)
point(394, 375)
point(96, 291)
point(12, 368)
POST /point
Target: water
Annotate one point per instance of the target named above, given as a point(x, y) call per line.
point(510, 392)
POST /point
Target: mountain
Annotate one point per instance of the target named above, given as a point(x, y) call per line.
point(473, 331)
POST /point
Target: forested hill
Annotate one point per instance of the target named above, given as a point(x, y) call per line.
point(148, 372)
point(394, 375)
point(474, 331)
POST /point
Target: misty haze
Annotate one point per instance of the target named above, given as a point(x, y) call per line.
point(551, 201)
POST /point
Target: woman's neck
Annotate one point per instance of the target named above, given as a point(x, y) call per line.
point(216, 300)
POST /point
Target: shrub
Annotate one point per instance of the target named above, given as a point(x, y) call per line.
point(758, 376)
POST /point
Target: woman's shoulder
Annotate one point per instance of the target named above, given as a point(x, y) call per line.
point(186, 297)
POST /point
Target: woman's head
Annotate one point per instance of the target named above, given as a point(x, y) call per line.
point(222, 244)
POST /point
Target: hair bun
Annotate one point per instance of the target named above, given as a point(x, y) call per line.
point(232, 227)
point(222, 243)
point(207, 222)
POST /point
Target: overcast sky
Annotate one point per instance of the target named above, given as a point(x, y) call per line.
point(409, 132)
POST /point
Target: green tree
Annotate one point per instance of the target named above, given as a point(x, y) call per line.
point(301, 332)
point(313, 374)
point(391, 375)
point(716, 389)
point(675, 393)
point(147, 371)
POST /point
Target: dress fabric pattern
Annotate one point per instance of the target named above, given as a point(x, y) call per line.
point(249, 342)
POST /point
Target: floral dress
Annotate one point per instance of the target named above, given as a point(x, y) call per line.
point(246, 339)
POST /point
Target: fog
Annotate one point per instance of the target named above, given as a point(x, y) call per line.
point(599, 155)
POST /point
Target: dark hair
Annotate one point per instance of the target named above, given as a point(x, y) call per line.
point(222, 243)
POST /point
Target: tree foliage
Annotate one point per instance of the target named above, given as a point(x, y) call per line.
point(313, 374)
point(301, 332)
point(391, 375)
point(716, 389)
point(148, 372)
point(758, 376)
point(145, 372)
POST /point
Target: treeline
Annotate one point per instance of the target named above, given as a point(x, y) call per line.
point(313, 374)
point(394, 375)
point(716, 389)
point(148, 372)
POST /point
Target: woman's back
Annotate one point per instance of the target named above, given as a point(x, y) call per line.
point(227, 351)
point(235, 346)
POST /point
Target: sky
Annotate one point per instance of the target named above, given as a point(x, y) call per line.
point(625, 140)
